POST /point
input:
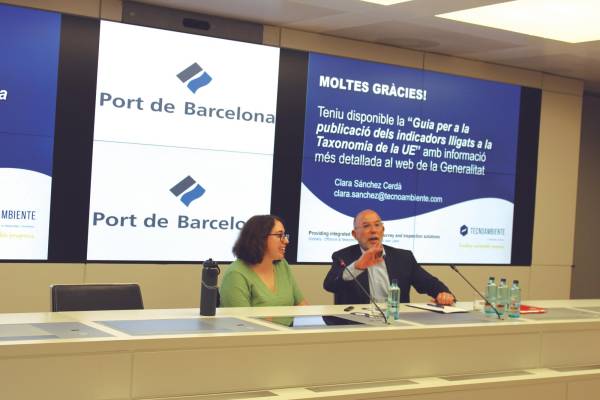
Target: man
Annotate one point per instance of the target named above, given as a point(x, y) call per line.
point(375, 265)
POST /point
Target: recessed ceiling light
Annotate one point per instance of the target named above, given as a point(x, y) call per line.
point(572, 21)
point(386, 2)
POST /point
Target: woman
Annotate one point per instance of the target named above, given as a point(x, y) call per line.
point(260, 276)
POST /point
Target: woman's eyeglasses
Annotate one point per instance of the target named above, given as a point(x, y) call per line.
point(282, 236)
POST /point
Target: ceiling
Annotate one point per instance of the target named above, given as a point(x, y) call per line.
point(413, 25)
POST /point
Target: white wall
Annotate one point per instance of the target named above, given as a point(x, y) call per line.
point(586, 274)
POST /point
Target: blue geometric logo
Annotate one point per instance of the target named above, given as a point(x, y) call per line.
point(464, 230)
point(195, 77)
point(187, 190)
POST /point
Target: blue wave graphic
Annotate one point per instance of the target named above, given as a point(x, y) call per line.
point(192, 195)
point(197, 83)
point(27, 152)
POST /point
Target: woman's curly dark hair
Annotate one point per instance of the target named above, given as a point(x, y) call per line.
point(251, 244)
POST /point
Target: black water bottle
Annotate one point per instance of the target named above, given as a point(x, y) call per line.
point(209, 289)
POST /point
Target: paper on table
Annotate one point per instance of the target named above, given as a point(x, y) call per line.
point(438, 308)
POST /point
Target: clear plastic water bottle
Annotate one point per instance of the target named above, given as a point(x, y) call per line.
point(393, 301)
point(502, 297)
point(514, 306)
point(491, 291)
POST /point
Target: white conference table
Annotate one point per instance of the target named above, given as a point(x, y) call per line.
point(176, 354)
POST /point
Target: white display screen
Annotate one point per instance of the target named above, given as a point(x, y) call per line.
point(183, 144)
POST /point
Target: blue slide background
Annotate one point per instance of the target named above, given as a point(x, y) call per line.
point(491, 110)
point(29, 51)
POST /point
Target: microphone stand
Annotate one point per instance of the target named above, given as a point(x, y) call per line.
point(343, 265)
point(477, 291)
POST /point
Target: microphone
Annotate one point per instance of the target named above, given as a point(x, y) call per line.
point(343, 265)
point(480, 295)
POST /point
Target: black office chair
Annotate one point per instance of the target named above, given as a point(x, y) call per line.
point(110, 296)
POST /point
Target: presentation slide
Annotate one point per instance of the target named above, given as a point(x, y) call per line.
point(434, 154)
point(183, 144)
point(28, 68)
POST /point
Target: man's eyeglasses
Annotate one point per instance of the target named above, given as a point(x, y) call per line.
point(282, 236)
point(376, 225)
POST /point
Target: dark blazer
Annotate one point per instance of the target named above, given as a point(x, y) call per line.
point(401, 265)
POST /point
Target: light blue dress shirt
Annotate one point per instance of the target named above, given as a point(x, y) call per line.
point(379, 281)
